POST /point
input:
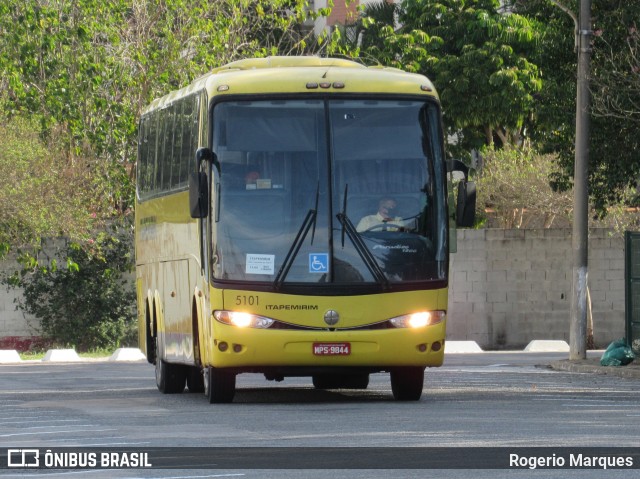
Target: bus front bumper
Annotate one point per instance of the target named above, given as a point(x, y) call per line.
point(252, 349)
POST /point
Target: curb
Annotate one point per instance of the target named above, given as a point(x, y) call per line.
point(127, 354)
point(456, 347)
point(592, 366)
point(61, 356)
point(547, 346)
point(11, 356)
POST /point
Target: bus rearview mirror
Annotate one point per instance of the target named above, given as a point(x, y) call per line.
point(204, 154)
point(466, 204)
point(198, 195)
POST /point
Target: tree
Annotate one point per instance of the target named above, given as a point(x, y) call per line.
point(615, 144)
point(89, 302)
point(86, 68)
point(617, 87)
point(477, 58)
point(614, 160)
point(553, 121)
point(82, 70)
point(42, 192)
point(486, 82)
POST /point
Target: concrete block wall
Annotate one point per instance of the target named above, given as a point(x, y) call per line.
point(509, 287)
point(17, 327)
point(13, 322)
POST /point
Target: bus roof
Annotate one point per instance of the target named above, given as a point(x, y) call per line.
point(302, 74)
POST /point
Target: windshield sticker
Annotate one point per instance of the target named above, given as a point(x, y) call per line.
point(260, 264)
point(402, 247)
point(318, 263)
point(263, 183)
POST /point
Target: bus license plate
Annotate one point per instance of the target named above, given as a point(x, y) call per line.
point(331, 349)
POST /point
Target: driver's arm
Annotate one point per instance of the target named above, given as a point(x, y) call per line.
point(364, 224)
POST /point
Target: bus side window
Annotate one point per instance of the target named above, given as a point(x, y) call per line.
point(152, 171)
point(178, 171)
point(189, 138)
point(143, 154)
point(167, 147)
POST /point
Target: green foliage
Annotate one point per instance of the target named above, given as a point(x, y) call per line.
point(506, 74)
point(614, 150)
point(475, 55)
point(479, 65)
point(43, 192)
point(84, 69)
point(615, 143)
point(90, 302)
point(552, 126)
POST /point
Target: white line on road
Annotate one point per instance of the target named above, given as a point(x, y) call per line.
point(53, 432)
point(193, 477)
point(31, 419)
point(54, 427)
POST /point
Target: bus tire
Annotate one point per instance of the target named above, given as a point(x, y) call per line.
point(150, 339)
point(195, 379)
point(341, 381)
point(170, 378)
point(407, 383)
point(219, 385)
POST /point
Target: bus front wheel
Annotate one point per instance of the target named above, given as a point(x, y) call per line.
point(219, 385)
point(407, 383)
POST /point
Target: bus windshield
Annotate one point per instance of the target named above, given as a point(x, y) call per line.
point(328, 192)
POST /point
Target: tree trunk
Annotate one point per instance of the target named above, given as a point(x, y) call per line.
point(488, 135)
point(590, 341)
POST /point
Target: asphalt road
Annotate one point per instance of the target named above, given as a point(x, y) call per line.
point(505, 400)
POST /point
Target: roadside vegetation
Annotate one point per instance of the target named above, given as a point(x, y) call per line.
point(92, 354)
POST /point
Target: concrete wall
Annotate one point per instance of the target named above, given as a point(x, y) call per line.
point(512, 286)
point(13, 322)
point(508, 287)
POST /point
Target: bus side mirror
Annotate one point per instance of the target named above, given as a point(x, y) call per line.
point(466, 204)
point(198, 195)
point(466, 199)
point(198, 185)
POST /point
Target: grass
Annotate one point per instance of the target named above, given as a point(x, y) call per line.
point(37, 355)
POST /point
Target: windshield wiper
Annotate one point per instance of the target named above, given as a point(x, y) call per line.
point(307, 224)
point(344, 211)
point(369, 260)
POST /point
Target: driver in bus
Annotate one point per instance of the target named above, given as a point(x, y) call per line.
point(383, 219)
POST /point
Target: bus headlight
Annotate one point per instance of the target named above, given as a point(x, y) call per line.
point(418, 320)
point(243, 320)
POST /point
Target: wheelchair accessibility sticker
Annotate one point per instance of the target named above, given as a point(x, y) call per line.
point(318, 263)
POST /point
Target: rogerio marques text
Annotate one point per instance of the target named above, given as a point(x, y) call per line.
point(578, 461)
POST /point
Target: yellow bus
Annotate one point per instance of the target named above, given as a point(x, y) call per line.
point(292, 220)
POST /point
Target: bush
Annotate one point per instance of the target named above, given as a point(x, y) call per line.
point(45, 192)
point(514, 187)
point(514, 191)
point(90, 302)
